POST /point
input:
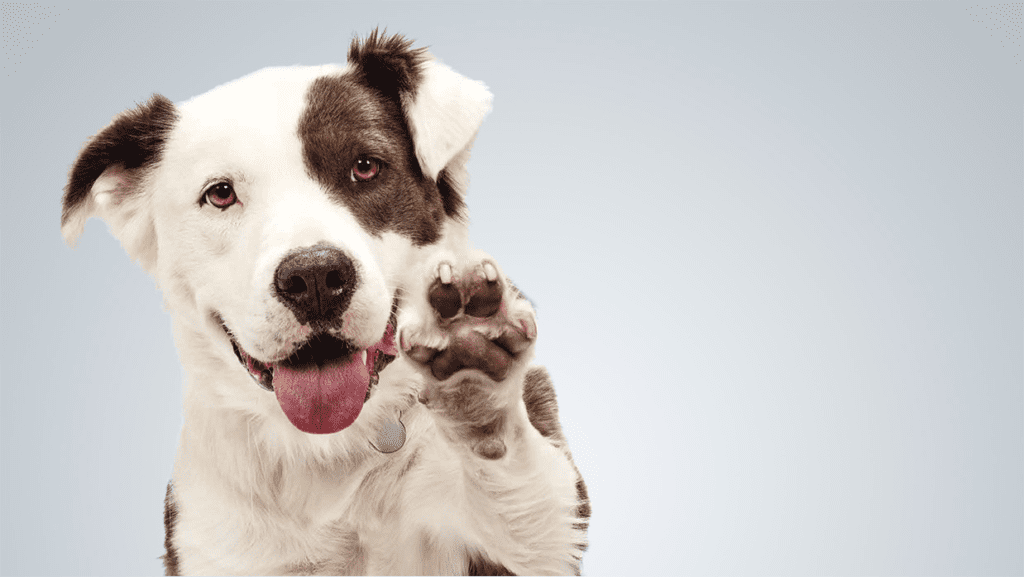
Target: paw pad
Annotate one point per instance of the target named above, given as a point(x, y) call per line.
point(478, 335)
point(477, 295)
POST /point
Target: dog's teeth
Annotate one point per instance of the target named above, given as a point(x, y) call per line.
point(364, 357)
point(490, 272)
point(445, 272)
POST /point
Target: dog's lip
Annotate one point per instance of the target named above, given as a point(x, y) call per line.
point(259, 371)
point(321, 349)
point(262, 373)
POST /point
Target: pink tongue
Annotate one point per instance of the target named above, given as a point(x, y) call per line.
point(322, 400)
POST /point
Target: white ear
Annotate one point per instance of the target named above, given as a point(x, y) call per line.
point(444, 116)
point(111, 184)
point(117, 198)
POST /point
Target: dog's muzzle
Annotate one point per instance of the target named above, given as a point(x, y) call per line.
point(322, 385)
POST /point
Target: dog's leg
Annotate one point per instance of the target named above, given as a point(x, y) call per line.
point(518, 505)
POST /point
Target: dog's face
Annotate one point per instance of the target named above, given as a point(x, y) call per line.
point(278, 212)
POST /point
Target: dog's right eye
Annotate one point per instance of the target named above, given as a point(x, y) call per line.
point(221, 195)
point(365, 169)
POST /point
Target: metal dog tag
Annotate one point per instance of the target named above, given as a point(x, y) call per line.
point(390, 436)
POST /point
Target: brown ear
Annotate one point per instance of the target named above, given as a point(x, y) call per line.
point(107, 179)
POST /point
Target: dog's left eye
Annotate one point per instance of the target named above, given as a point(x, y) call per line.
point(221, 195)
point(365, 169)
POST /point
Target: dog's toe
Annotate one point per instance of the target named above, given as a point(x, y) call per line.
point(486, 296)
point(445, 298)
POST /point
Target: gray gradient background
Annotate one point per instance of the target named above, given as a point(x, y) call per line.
point(776, 249)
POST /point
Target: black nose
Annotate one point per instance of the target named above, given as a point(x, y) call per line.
point(316, 283)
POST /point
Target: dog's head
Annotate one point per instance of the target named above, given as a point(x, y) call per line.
point(278, 212)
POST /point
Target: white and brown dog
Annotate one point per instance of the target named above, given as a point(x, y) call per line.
point(358, 394)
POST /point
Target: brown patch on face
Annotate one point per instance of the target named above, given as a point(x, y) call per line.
point(358, 116)
point(393, 68)
point(346, 121)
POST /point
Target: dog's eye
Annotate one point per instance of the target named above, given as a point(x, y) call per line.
point(221, 195)
point(365, 169)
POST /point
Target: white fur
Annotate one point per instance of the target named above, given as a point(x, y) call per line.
point(254, 494)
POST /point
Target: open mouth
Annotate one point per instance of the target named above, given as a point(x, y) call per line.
point(323, 384)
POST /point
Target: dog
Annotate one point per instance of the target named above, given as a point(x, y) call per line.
point(358, 392)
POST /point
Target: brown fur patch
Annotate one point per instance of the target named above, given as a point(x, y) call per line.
point(542, 409)
point(388, 63)
point(583, 504)
point(541, 404)
point(134, 140)
point(480, 565)
point(346, 120)
point(360, 115)
point(170, 558)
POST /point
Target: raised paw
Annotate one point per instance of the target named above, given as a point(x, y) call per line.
point(478, 322)
point(471, 333)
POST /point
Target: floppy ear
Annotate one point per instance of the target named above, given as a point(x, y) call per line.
point(443, 109)
point(444, 114)
point(108, 179)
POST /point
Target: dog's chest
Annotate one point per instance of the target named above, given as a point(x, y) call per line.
point(302, 524)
